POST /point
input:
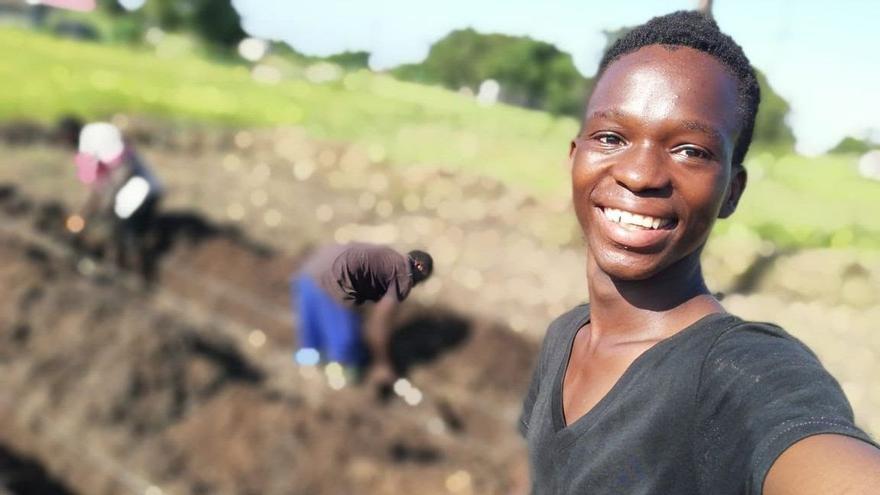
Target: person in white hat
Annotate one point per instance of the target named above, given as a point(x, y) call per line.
point(123, 191)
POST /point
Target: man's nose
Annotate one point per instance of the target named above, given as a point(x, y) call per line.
point(642, 169)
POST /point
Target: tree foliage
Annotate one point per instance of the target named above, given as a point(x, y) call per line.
point(771, 128)
point(531, 73)
point(850, 144)
point(351, 60)
point(215, 21)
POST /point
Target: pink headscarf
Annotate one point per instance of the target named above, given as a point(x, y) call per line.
point(90, 170)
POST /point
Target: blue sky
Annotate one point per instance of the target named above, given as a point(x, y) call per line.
point(822, 56)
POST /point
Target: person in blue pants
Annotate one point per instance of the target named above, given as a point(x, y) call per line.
point(328, 293)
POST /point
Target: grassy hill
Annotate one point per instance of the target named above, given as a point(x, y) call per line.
point(792, 200)
point(43, 78)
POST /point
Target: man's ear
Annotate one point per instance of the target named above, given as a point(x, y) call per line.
point(738, 180)
point(572, 147)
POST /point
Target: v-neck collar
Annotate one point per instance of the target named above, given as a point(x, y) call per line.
point(588, 418)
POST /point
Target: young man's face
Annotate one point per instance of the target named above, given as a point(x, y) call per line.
point(651, 169)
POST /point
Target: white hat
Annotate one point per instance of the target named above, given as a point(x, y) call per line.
point(101, 140)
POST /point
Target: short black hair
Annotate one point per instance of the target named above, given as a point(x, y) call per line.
point(700, 32)
point(427, 264)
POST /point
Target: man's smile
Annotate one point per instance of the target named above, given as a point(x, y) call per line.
point(635, 231)
point(636, 221)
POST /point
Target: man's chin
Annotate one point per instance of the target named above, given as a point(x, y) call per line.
point(627, 270)
point(631, 276)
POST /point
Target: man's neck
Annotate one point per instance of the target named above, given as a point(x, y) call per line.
point(650, 309)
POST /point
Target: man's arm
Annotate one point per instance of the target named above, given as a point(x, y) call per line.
point(88, 209)
point(377, 334)
point(825, 464)
point(103, 196)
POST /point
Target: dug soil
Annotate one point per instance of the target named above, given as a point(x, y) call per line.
point(183, 383)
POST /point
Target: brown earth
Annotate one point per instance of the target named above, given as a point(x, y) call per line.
point(187, 386)
point(118, 388)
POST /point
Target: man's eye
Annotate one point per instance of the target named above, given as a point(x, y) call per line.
point(692, 152)
point(609, 139)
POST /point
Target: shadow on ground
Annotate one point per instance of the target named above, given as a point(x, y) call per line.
point(23, 475)
point(425, 337)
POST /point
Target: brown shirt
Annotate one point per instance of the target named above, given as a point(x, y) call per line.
point(359, 272)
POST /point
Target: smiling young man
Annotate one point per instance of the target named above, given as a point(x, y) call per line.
point(653, 388)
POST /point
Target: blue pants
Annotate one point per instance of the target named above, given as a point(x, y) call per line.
point(326, 325)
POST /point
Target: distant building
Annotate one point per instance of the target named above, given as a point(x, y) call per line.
point(489, 92)
point(869, 165)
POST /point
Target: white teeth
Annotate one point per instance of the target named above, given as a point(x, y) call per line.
point(621, 216)
point(613, 215)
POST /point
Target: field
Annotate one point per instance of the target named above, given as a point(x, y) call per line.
point(150, 379)
point(186, 387)
point(405, 124)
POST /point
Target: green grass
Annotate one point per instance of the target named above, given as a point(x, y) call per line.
point(791, 200)
point(44, 77)
point(800, 201)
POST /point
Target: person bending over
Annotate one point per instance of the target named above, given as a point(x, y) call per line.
point(123, 192)
point(329, 292)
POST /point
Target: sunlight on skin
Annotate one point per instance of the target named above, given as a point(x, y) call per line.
point(650, 99)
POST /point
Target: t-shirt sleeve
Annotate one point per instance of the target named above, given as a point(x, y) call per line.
point(760, 391)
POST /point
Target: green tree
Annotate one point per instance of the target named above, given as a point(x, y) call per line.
point(850, 144)
point(351, 60)
point(531, 73)
point(170, 15)
point(110, 6)
point(771, 129)
point(215, 21)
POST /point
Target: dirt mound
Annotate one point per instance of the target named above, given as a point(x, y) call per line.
point(113, 388)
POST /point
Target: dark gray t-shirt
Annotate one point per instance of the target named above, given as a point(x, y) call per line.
point(706, 411)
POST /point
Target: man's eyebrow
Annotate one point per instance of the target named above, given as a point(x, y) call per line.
point(693, 125)
point(606, 114)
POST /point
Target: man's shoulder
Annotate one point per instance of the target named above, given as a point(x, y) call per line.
point(754, 349)
point(757, 337)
